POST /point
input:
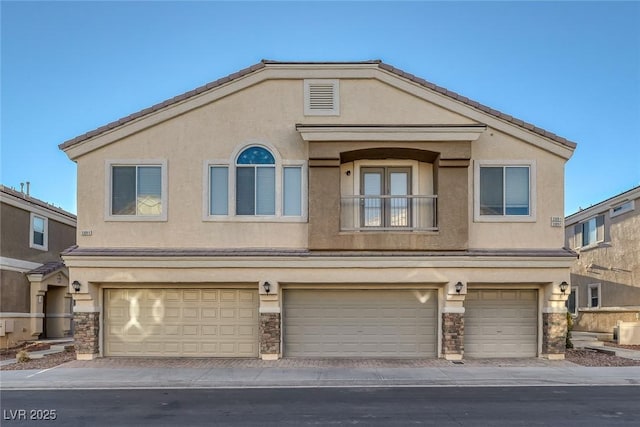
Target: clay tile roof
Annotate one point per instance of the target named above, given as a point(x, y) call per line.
point(47, 268)
point(265, 62)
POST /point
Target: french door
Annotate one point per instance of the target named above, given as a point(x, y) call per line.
point(385, 202)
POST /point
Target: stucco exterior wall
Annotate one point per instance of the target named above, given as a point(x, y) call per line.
point(614, 263)
point(15, 236)
point(266, 114)
point(15, 291)
point(262, 114)
point(21, 332)
point(549, 201)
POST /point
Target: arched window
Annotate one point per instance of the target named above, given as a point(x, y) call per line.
point(256, 185)
point(255, 182)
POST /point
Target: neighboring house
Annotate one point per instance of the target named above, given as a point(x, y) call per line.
point(34, 298)
point(605, 279)
point(320, 210)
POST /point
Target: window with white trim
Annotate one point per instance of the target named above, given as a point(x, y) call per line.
point(39, 232)
point(257, 185)
point(589, 232)
point(594, 297)
point(137, 190)
point(504, 191)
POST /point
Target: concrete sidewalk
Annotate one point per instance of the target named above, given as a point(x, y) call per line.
point(253, 373)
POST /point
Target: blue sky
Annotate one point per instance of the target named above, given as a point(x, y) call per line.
point(572, 68)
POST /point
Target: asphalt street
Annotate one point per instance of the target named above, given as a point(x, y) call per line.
point(438, 406)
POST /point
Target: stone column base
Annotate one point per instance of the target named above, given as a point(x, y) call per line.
point(86, 335)
point(270, 336)
point(554, 334)
point(453, 335)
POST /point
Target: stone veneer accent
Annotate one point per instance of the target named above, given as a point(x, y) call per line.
point(269, 333)
point(86, 329)
point(554, 331)
point(452, 333)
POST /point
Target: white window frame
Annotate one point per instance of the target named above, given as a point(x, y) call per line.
point(505, 218)
point(45, 239)
point(335, 111)
point(230, 164)
point(110, 163)
point(624, 207)
point(589, 294)
point(579, 240)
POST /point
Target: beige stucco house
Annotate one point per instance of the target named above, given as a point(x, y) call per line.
point(34, 287)
point(605, 279)
point(320, 210)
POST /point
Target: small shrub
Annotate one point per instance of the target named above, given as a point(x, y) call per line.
point(22, 356)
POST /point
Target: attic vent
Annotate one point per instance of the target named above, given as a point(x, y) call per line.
point(321, 98)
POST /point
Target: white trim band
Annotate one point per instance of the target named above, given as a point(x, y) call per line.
point(266, 310)
point(21, 315)
point(13, 264)
point(453, 309)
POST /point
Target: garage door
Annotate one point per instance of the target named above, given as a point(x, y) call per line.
point(181, 322)
point(501, 323)
point(360, 323)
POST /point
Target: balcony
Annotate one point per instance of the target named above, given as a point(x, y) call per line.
point(388, 213)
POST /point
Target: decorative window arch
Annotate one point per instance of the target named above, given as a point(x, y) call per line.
point(255, 184)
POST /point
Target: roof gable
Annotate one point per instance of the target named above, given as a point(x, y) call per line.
point(251, 75)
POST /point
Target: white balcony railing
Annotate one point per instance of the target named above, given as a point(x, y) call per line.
point(388, 213)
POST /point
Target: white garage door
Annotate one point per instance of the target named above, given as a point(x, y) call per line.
point(501, 323)
point(181, 322)
point(360, 323)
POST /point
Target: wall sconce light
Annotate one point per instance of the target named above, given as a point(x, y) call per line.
point(76, 286)
point(458, 287)
point(563, 287)
point(266, 286)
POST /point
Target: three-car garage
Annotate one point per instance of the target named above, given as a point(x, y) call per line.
point(315, 322)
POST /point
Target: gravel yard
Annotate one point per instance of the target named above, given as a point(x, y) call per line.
point(49, 361)
point(594, 358)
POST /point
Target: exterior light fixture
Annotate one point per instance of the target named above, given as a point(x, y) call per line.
point(563, 287)
point(266, 286)
point(458, 287)
point(76, 286)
